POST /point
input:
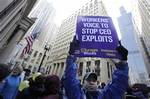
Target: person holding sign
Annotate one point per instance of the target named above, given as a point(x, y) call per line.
point(114, 90)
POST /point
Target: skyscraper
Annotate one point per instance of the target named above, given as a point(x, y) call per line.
point(102, 67)
point(144, 9)
point(129, 40)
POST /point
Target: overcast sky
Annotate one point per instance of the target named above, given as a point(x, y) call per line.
point(64, 8)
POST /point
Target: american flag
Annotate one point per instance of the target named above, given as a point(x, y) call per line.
point(29, 39)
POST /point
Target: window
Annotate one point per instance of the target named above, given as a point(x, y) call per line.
point(30, 67)
point(32, 60)
point(97, 67)
point(30, 52)
point(88, 66)
point(34, 69)
point(95, 2)
point(27, 59)
point(47, 57)
point(80, 68)
point(91, 5)
point(39, 57)
point(35, 54)
point(62, 64)
point(108, 70)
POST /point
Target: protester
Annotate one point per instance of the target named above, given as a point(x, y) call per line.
point(52, 87)
point(140, 90)
point(129, 94)
point(25, 82)
point(35, 90)
point(11, 83)
point(114, 90)
point(4, 72)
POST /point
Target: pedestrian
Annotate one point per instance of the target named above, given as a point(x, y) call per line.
point(11, 83)
point(103, 85)
point(4, 72)
point(114, 90)
point(52, 87)
point(140, 90)
point(25, 82)
point(35, 90)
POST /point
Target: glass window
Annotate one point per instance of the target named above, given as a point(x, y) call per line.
point(88, 66)
point(30, 52)
point(35, 54)
point(108, 70)
point(32, 60)
point(47, 57)
point(30, 67)
point(97, 67)
point(27, 58)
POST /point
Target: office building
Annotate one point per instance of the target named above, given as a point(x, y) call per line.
point(59, 52)
point(14, 23)
point(129, 40)
point(45, 27)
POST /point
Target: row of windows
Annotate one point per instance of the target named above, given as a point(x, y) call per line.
point(86, 8)
point(35, 54)
point(88, 69)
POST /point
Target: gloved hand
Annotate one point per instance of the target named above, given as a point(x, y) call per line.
point(123, 52)
point(74, 45)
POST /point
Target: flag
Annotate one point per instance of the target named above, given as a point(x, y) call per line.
point(29, 39)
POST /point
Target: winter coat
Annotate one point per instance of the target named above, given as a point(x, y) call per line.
point(114, 90)
point(51, 97)
point(10, 88)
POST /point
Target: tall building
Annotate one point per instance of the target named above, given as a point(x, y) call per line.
point(56, 63)
point(14, 23)
point(44, 26)
point(144, 9)
point(140, 19)
point(129, 40)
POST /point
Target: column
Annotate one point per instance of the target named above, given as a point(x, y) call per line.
point(54, 66)
point(92, 66)
point(84, 69)
point(12, 47)
point(61, 69)
point(103, 73)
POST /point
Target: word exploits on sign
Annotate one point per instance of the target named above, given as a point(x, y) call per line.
point(97, 37)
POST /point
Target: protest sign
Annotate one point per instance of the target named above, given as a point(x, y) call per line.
point(97, 37)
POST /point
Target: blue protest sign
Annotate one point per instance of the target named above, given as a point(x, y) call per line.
point(97, 37)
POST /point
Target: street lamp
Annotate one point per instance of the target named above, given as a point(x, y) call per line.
point(46, 48)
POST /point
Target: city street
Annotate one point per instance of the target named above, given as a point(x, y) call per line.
point(74, 49)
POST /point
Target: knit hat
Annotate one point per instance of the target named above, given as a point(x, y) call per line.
point(52, 84)
point(90, 77)
point(4, 71)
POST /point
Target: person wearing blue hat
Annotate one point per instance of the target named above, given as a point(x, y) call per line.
point(114, 90)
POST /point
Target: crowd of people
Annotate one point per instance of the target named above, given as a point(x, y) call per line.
point(39, 86)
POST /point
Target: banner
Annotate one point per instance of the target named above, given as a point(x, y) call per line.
point(97, 37)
